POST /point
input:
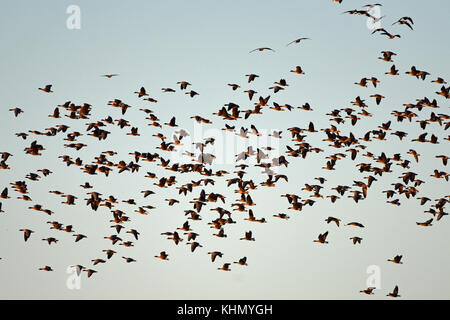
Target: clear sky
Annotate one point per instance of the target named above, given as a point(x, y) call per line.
point(155, 45)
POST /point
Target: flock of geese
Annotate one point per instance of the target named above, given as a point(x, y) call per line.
point(229, 212)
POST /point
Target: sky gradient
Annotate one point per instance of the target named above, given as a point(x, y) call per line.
point(155, 44)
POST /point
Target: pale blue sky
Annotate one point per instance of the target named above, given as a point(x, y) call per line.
point(155, 44)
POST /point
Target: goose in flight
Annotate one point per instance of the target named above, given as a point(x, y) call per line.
point(79, 237)
point(50, 240)
point(215, 254)
point(141, 92)
point(355, 224)
point(248, 236)
point(242, 261)
point(394, 293)
point(332, 219)
point(393, 71)
point(386, 33)
point(357, 12)
point(443, 158)
point(47, 88)
point(368, 291)
point(387, 56)
point(5, 155)
point(46, 268)
point(414, 153)
point(406, 21)
point(183, 84)
point(281, 216)
point(175, 237)
point(276, 88)
point(185, 227)
point(194, 245)
point(192, 235)
point(16, 111)
point(134, 233)
point(163, 256)
point(56, 114)
point(114, 239)
point(374, 81)
point(297, 41)
point(109, 253)
point(78, 268)
point(89, 272)
point(372, 5)
point(225, 267)
point(234, 86)
point(322, 238)
point(445, 92)
point(250, 93)
point(356, 240)
point(397, 259)
point(439, 80)
point(251, 77)
point(378, 98)
point(26, 233)
point(97, 261)
point(221, 233)
point(109, 76)
point(297, 70)
point(426, 223)
point(4, 194)
point(362, 83)
point(192, 93)
point(262, 49)
point(171, 123)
